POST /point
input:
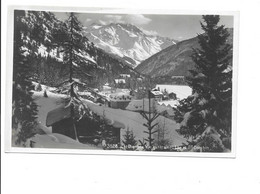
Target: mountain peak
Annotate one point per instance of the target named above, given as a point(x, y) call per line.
point(126, 41)
point(130, 27)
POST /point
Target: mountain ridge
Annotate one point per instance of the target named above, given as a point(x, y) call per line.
point(127, 41)
point(175, 60)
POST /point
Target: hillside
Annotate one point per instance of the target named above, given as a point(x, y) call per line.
point(172, 61)
point(49, 62)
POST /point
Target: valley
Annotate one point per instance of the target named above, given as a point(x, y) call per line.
point(114, 86)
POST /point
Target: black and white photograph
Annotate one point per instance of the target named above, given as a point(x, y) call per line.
point(123, 82)
point(130, 97)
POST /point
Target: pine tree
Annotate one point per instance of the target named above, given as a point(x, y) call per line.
point(24, 108)
point(210, 106)
point(162, 136)
point(150, 117)
point(129, 139)
point(101, 130)
point(76, 49)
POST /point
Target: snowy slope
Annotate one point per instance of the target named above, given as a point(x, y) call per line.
point(45, 105)
point(134, 121)
point(56, 140)
point(126, 40)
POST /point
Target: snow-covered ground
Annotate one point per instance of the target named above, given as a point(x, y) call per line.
point(52, 140)
point(56, 140)
point(123, 118)
point(45, 105)
point(134, 121)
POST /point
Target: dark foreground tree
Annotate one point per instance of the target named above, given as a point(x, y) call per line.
point(75, 48)
point(29, 34)
point(33, 42)
point(24, 108)
point(209, 109)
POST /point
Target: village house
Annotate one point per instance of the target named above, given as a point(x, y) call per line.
point(125, 75)
point(120, 100)
point(61, 121)
point(172, 95)
point(120, 83)
point(156, 94)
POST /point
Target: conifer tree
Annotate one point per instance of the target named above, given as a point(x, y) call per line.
point(210, 106)
point(101, 130)
point(162, 136)
point(129, 138)
point(24, 108)
point(150, 117)
point(76, 49)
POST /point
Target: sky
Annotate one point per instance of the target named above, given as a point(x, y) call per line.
point(178, 27)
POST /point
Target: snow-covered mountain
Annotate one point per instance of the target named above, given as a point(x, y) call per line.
point(127, 41)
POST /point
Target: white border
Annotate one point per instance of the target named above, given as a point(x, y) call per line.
point(7, 132)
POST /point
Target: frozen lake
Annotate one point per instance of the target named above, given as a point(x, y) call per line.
point(181, 91)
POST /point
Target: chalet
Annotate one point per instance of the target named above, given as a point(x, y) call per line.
point(173, 96)
point(61, 121)
point(157, 95)
point(125, 75)
point(120, 81)
point(120, 100)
